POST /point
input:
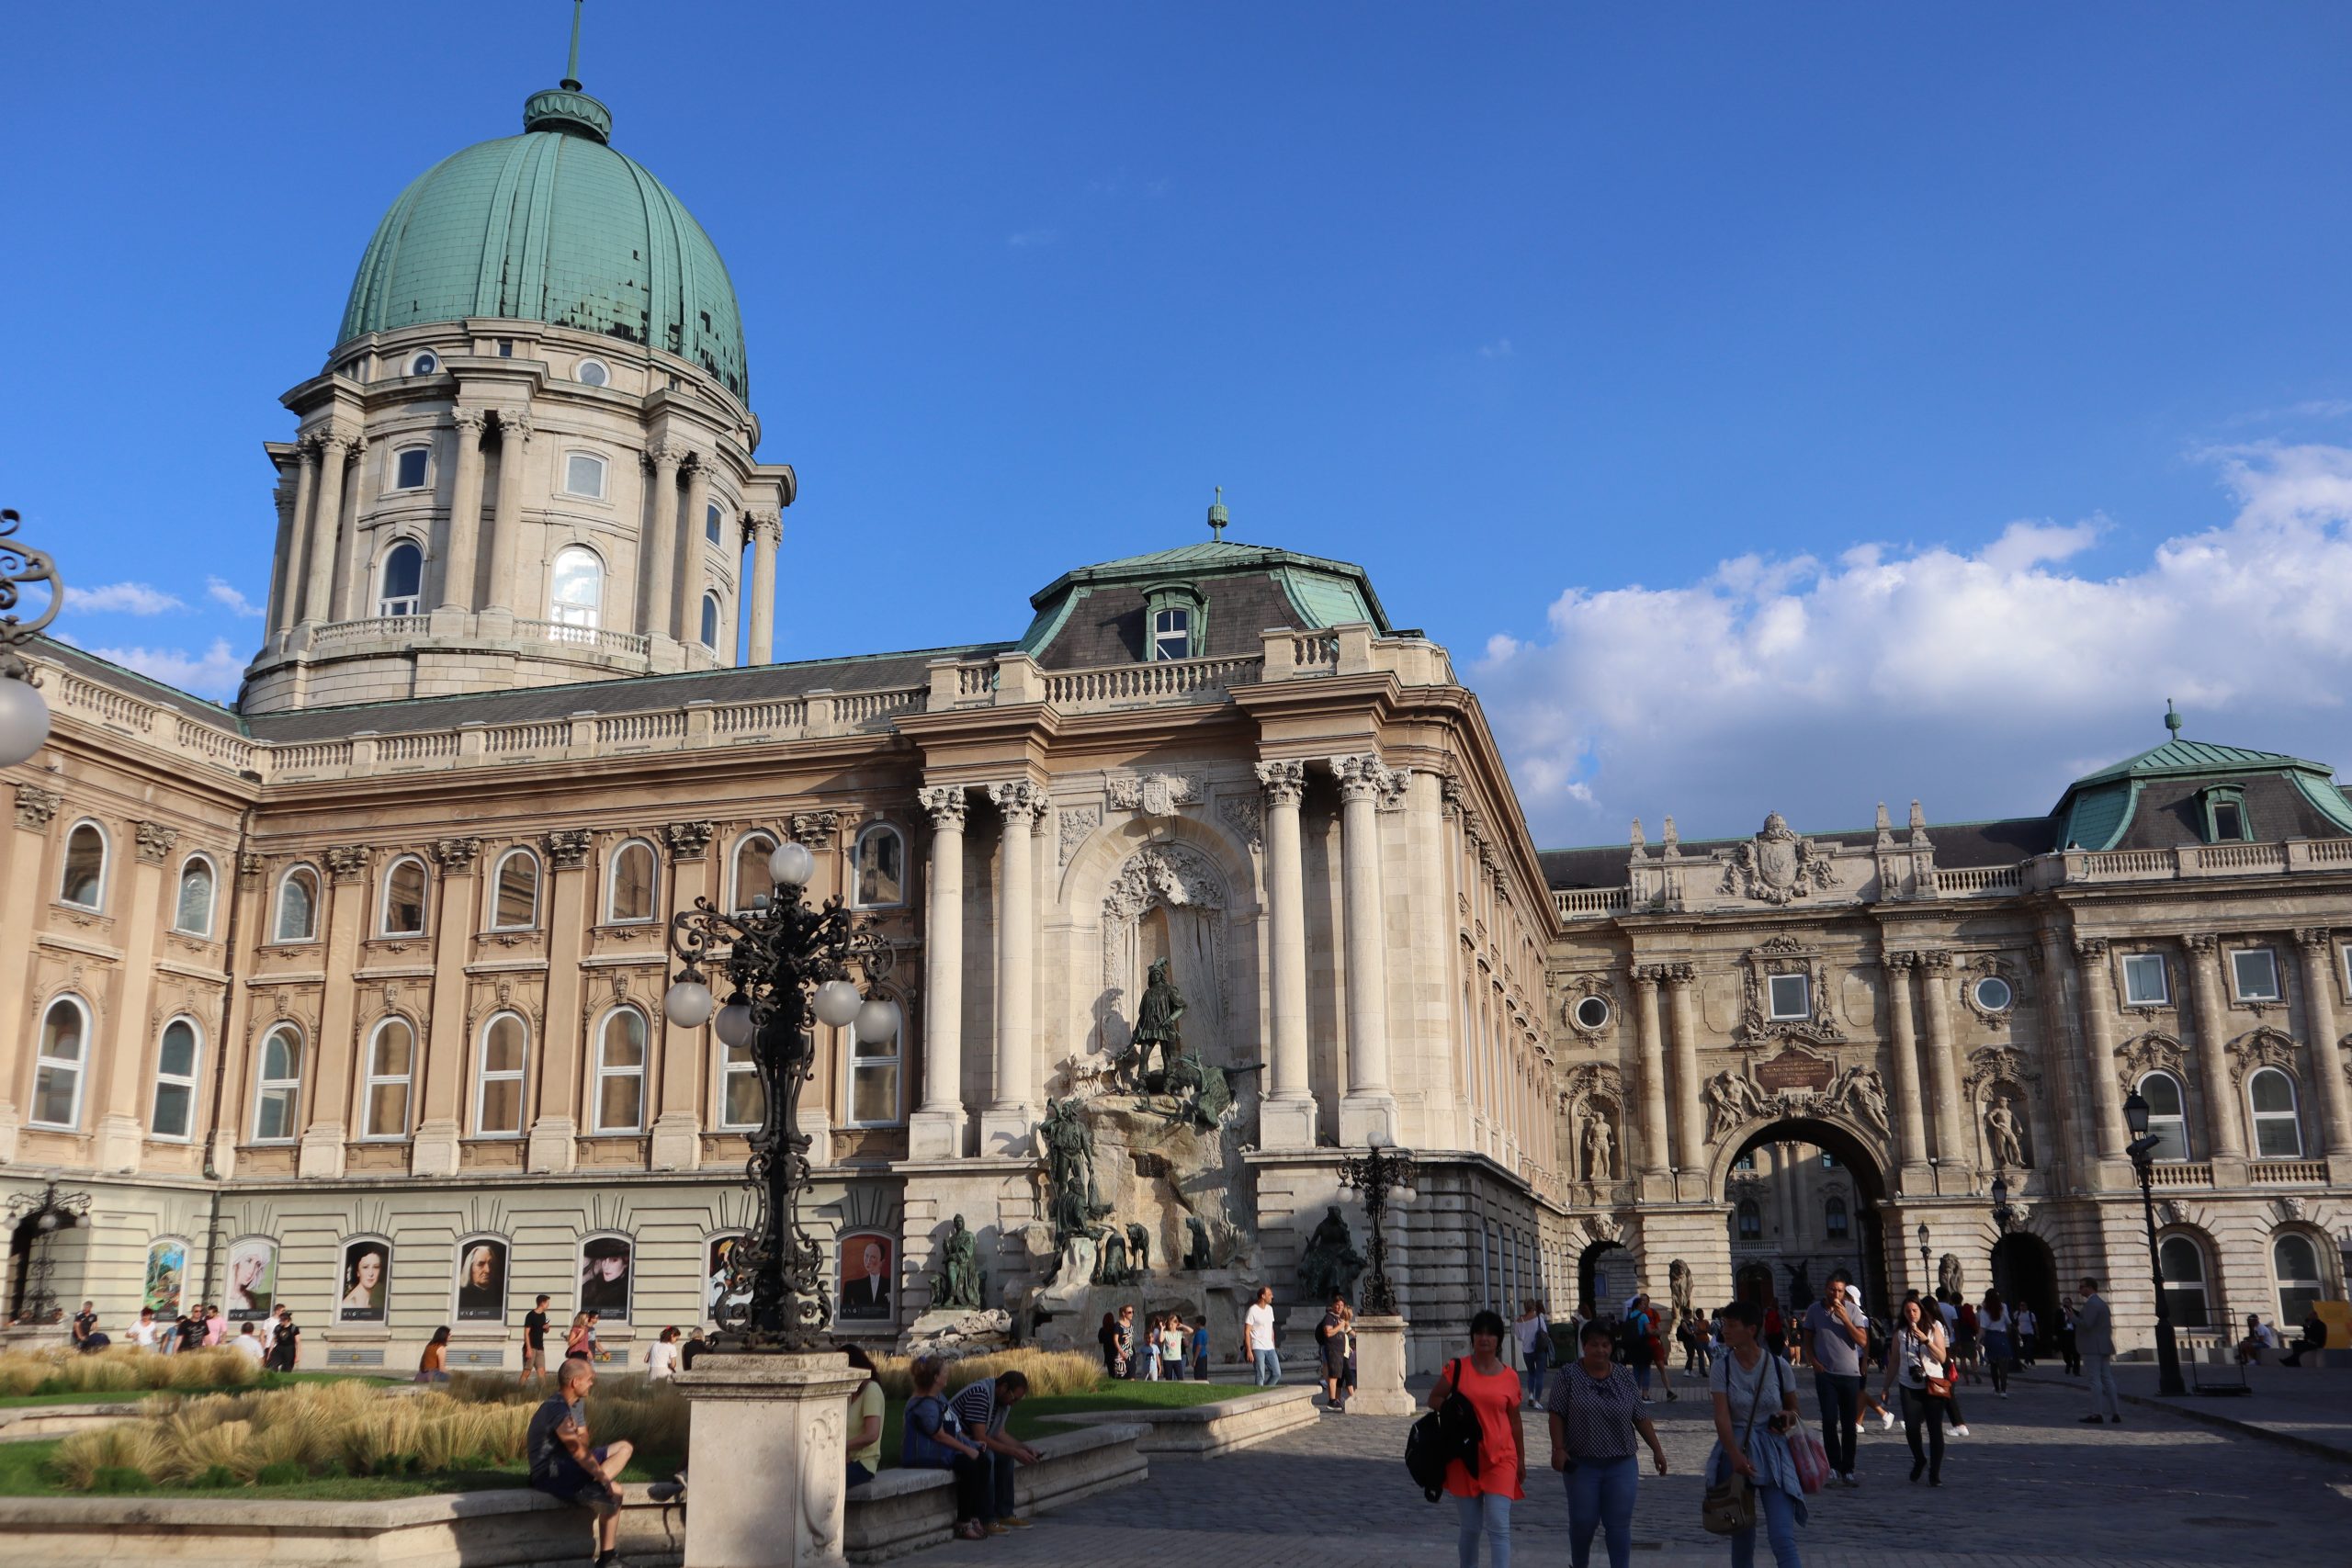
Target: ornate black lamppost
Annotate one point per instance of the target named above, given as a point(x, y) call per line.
point(24, 718)
point(1377, 1174)
point(2004, 1216)
point(782, 964)
point(1926, 1264)
point(2143, 1150)
point(48, 1212)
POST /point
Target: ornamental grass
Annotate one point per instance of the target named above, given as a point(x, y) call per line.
point(1049, 1373)
point(124, 1370)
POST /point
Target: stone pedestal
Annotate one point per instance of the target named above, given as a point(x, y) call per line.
point(1286, 1124)
point(772, 1429)
point(1380, 1368)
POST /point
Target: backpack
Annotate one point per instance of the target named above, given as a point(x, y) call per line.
point(1448, 1433)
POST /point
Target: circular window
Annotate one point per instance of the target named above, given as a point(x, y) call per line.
point(1592, 1013)
point(593, 373)
point(1993, 993)
point(424, 365)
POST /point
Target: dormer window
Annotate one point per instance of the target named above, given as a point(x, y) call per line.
point(1171, 634)
point(1174, 620)
point(2225, 818)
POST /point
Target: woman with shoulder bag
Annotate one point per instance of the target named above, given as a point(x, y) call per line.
point(1921, 1360)
point(933, 1438)
point(1756, 1407)
point(1492, 1391)
point(1595, 1412)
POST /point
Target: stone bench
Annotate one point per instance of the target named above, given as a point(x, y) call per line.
point(1201, 1431)
point(905, 1510)
point(29, 1423)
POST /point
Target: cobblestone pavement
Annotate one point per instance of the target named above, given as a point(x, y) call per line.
point(2030, 1488)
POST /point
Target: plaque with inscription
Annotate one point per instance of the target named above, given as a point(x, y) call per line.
point(1793, 1069)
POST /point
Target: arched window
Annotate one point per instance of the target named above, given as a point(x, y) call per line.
point(278, 1100)
point(192, 911)
point(298, 905)
point(628, 890)
point(391, 1059)
point(1751, 1219)
point(2168, 1117)
point(2182, 1263)
point(498, 1087)
point(873, 1078)
point(83, 881)
point(710, 621)
point(620, 1072)
point(175, 1057)
point(403, 911)
point(2278, 1135)
point(750, 878)
point(714, 527)
point(880, 867)
point(2294, 1261)
point(57, 1068)
point(1835, 1220)
point(576, 591)
point(401, 580)
point(514, 897)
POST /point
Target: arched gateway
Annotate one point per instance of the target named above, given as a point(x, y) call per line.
point(1805, 1195)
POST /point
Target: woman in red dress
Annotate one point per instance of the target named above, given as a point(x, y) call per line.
point(1484, 1500)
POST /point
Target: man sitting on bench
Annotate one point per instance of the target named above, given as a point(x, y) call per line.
point(564, 1466)
point(2314, 1339)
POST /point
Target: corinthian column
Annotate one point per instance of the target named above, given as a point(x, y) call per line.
point(937, 1129)
point(653, 615)
point(671, 617)
point(334, 446)
point(1943, 1065)
point(1690, 1117)
point(1007, 1126)
point(1652, 1089)
point(1287, 1117)
point(2318, 949)
point(459, 554)
point(293, 553)
point(2099, 1044)
point(1368, 1111)
point(766, 529)
point(1911, 1118)
point(506, 525)
point(2225, 1134)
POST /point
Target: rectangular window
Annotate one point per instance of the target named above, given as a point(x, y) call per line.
point(583, 475)
point(409, 469)
point(175, 1081)
point(2229, 822)
point(873, 1080)
point(1790, 995)
point(1171, 634)
point(741, 1103)
point(2143, 980)
point(2256, 970)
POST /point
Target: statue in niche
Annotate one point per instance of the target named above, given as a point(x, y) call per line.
point(2001, 1132)
point(1139, 1249)
point(1198, 1257)
point(1948, 1276)
point(1156, 1025)
point(956, 1282)
point(1074, 1200)
point(1329, 1265)
point(1600, 1164)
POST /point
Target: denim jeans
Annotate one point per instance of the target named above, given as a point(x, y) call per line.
point(1489, 1513)
point(1270, 1368)
point(1780, 1511)
point(1841, 1407)
point(999, 1483)
point(1531, 1375)
point(1600, 1496)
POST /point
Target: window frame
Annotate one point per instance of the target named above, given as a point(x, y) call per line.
point(2164, 979)
point(2211, 801)
point(1772, 1009)
point(212, 897)
point(857, 866)
point(603, 474)
point(290, 1086)
point(580, 368)
point(736, 901)
point(388, 603)
point(2174, 1290)
point(612, 883)
point(190, 1082)
point(713, 617)
point(519, 1075)
point(1576, 1011)
point(714, 523)
point(1837, 1218)
point(43, 1063)
point(557, 607)
point(2180, 1090)
point(731, 1066)
point(424, 362)
point(2281, 1283)
point(424, 452)
point(2009, 997)
point(1160, 598)
point(2257, 1118)
point(896, 1062)
point(278, 906)
point(495, 889)
point(371, 1080)
point(600, 1070)
point(97, 902)
point(1747, 1220)
point(384, 900)
point(2278, 992)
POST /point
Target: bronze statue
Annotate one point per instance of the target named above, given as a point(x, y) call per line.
point(1139, 1250)
point(1156, 1021)
point(1074, 1202)
point(1329, 1265)
point(1111, 1266)
point(956, 1282)
point(1200, 1255)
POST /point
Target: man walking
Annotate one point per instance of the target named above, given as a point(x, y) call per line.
point(1838, 1340)
point(534, 1341)
point(2095, 1341)
point(1332, 1341)
point(1258, 1338)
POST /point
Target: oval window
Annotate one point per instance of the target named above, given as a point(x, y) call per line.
point(1993, 993)
point(1592, 1013)
point(593, 373)
point(425, 365)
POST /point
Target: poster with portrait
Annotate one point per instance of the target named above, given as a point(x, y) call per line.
point(605, 1264)
point(253, 1280)
point(866, 1276)
point(721, 1288)
point(481, 1279)
point(166, 1267)
point(367, 1281)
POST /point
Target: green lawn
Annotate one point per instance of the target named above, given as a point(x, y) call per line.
point(24, 1472)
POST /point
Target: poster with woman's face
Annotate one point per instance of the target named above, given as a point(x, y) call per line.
point(253, 1279)
point(865, 1278)
point(367, 1281)
point(605, 1263)
point(720, 1289)
point(481, 1280)
point(166, 1266)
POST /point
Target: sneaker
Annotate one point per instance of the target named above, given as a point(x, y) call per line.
point(1853, 1478)
point(1888, 1416)
point(1014, 1521)
point(1960, 1431)
point(2092, 1420)
point(997, 1528)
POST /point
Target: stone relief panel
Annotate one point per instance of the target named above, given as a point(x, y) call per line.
point(1766, 1011)
point(1076, 823)
point(1776, 867)
point(2146, 1053)
point(2263, 1047)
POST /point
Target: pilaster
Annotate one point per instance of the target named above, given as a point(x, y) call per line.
point(1368, 1109)
point(555, 1127)
point(1286, 1116)
point(935, 1130)
point(433, 1150)
point(347, 918)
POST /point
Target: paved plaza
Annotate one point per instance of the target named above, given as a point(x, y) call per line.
point(2030, 1488)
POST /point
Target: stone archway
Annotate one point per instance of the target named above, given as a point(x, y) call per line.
point(1607, 1272)
point(1865, 1248)
point(2026, 1273)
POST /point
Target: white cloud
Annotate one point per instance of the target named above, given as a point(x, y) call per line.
point(1028, 238)
point(1978, 681)
point(214, 673)
point(222, 593)
point(123, 598)
point(1498, 349)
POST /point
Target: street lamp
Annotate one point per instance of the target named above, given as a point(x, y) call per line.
point(782, 964)
point(49, 1211)
point(24, 718)
point(1927, 1262)
point(2004, 1216)
point(1377, 1174)
point(2141, 1149)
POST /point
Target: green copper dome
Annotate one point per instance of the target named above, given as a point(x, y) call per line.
point(552, 226)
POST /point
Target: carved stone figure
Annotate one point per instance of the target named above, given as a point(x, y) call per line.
point(1678, 1285)
point(1861, 1094)
point(1777, 865)
point(956, 1282)
point(1198, 1256)
point(1074, 1202)
point(1732, 1098)
point(2001, 1132)
point(1329, 1265)
point(1156, 1024)
point(1598, 1163)
point(1948, 1276)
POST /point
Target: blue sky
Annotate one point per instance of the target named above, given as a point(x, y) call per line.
point(1771, 407)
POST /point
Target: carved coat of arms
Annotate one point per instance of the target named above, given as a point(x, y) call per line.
point(1777, 865)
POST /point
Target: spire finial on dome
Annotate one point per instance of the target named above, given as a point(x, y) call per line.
point(1218, 517)
point(564, 108)
point(2172, 718)
point(572, 71)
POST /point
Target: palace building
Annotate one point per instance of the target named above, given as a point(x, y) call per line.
point(350, 996)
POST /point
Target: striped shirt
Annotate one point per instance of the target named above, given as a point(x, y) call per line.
point(974, 1405)
point(1598, 1417)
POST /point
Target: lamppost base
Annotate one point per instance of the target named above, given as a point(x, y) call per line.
point(769, 1492)
point(1380, 1368)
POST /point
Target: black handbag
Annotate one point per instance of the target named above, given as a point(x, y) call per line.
point(1444, 1435)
